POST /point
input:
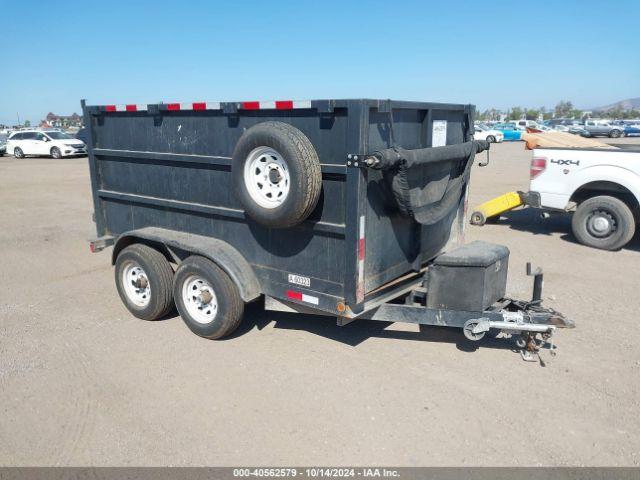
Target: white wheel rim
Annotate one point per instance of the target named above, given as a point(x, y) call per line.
point(199, 299)
point(136, 284)
point(267, 177)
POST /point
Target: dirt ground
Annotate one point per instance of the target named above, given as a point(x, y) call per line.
point(83, 382)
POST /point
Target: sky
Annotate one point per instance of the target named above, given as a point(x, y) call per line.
point(491, 53)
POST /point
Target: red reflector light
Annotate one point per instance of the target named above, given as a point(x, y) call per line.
point(131, 108)
point(284, 105)
point(361, 249)
point(251, 105)
point(110, 108)
point(92, 247)
point(200, 106)
point(173, 106)
point(294, 295)
point(538, 165)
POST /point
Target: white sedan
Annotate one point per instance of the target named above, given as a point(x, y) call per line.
point(491, 136)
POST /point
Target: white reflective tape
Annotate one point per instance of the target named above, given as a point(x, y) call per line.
point(310, 299)
point(213, 105)
point(302, 104)
point(186, 106)
point(121, 108)
point(362, 226)
point(360, 270)
point(141, 107)
point(267, 105)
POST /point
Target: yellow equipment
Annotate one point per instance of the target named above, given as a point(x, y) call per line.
point(497, 206)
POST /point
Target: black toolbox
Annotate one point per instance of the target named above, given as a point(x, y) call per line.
point(471, 278)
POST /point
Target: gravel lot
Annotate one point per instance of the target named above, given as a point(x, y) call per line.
point(82, 382)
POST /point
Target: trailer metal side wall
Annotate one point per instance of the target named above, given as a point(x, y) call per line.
point(170, 168)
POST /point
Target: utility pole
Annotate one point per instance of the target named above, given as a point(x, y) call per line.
point(18, 115)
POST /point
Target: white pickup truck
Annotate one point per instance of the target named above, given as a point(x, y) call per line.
point(601, 187)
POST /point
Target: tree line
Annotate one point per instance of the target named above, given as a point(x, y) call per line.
point(564, 109)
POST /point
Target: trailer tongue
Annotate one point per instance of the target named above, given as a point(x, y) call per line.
point(529, 322)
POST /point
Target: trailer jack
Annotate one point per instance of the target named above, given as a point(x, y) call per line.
point(532, 336)
point(528, 342)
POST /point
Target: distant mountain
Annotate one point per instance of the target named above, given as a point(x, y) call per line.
point(630, 103)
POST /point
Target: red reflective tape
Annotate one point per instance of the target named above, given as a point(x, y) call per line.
point(251, 105)
point(361, 249)
point(173, 106)
point(110, 108)
point(284, 105)
point(200, 106)
point(294, 295)
point(131, 108)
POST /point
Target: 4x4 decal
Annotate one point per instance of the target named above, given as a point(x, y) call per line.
point(566, 162)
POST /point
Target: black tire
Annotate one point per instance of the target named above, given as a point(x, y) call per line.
point(305, 177)
point(615, 214)
point(228, 308)
point(158, 274)
point(477, 218)
point(491, 139)
point(56, 153)
point(18, 153)
point(615, 133)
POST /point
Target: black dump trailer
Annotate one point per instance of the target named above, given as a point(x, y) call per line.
point(349, 208)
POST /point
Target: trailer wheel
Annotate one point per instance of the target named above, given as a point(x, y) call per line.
point(144, 279)
point(467, 330)
point(603, 222)
point(276, 173)
point(207, 299)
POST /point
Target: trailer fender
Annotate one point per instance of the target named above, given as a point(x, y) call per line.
point(179, 243)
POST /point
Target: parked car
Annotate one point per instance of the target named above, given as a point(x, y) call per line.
point(631, 130)
point(509, 131)
point(601, 128)
point(523, 124)
point(83, 134)
point(602, 188)
point(488, 134)
point(3, 144)
point(45, 142)
point(567, 122)
point(552, 122)
point(577, 129)
point(560, 128)
point(539, 129)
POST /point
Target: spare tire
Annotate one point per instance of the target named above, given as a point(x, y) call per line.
point(276, 174)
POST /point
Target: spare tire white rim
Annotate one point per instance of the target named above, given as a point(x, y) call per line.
point(199, 299)
point(136, 284)
point(267, 177)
